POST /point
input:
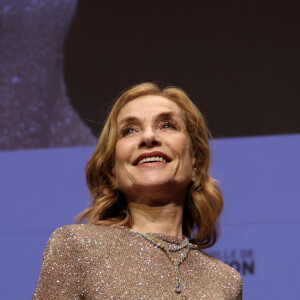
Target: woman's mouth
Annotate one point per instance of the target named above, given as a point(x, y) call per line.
point(151, 157)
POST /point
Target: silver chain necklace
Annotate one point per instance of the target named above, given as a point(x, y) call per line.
point(171, 248)
point(160, 244)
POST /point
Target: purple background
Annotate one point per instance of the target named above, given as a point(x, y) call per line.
point(44, 189)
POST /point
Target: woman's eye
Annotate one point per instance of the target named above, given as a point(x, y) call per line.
point(128, 130)
point(168, 124)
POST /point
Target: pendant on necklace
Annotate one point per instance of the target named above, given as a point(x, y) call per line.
point(177, 288)
point(159, 243)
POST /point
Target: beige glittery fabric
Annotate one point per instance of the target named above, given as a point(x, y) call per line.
point(106, 262)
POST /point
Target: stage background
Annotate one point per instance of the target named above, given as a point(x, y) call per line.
point(63, 62)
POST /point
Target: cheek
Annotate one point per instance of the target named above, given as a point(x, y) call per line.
point(185, 149)
point(188, 156)
point(118, 160)
point(120, 151)
point(123, 153)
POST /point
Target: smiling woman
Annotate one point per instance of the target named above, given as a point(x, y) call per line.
point(203, 211)
point(154, 207)
point(156, 154)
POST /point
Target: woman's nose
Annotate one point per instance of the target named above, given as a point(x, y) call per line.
point(149, 139)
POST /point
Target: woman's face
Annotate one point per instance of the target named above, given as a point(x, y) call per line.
point(153, 150)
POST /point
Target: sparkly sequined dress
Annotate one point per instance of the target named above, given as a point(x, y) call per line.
point(104, 262)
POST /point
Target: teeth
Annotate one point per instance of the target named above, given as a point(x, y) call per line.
point(151, 159)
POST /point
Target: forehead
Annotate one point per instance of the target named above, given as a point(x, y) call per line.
point(149, 106)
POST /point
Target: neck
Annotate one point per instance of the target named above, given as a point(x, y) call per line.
point(164, 219)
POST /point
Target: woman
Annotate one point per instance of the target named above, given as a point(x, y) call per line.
point(154, 207)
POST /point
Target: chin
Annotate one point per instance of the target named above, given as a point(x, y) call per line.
point(152, 184)
point(161, 184)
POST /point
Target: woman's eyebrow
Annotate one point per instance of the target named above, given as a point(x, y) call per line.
point(129, 119)
point(165, 115)
point(136, 120)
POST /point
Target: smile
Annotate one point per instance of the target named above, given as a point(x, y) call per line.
point(151, 159)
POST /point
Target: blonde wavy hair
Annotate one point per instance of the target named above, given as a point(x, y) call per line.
point(204, 201)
